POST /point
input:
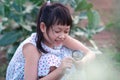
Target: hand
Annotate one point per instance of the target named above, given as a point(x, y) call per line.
point(66, 63)
point(79, 64)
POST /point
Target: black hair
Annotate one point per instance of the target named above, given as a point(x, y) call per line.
point(52, 14)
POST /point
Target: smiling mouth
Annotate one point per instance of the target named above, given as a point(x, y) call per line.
point(59, 42)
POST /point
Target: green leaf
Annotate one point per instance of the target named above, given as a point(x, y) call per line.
point(14, 16)
point(90, 19)
point(37, 2)
point(27, 27)
point(96, 18)
point(83, 15)
point(72, 3)
point(20, 2)
point(64, 1)
point(10, 38)
point(2, 9)
point(89, 6)
point(99, 29)
point(7, 9)
point(93, 19)
point(28, 7)
point(83, 5)
point(82, 30)
point(110, 24)
point(77, 1)
point(1, 27)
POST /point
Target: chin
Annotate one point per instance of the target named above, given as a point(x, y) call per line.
point(58, 44)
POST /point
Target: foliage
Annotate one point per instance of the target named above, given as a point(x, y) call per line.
point(3, 70)
point(18, 20)
point(84, 10)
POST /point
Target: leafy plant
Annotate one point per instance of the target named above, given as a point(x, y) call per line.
point(84, 11)
point(18, 20)
point(3, 70)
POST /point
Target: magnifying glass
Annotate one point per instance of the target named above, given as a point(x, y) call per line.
point(77, 55)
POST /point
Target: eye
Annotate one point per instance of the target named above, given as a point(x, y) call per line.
point(66, 32)
point(57, 31)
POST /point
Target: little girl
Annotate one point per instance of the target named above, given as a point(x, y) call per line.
point(43, 55)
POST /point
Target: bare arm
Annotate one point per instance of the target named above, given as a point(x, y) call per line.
point(77, 45)
point(31, 65)
point(31, 61)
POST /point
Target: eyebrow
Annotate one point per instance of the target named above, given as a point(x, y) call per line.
point(61, 29)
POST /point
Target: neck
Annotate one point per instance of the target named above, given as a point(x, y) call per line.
point(48, 44)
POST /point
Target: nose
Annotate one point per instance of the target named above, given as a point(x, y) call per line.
point(62, 36)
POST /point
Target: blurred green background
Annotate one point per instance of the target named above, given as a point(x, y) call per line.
point(95, 23)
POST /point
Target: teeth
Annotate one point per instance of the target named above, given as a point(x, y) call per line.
point(59, 41)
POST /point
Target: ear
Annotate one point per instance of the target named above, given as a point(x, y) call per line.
point(42, 27)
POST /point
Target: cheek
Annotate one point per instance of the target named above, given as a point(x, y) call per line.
point(51, 36)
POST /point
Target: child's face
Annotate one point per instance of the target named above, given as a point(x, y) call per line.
point(56, 35)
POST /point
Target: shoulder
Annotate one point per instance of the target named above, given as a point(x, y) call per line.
point(69, 41)
point(31, 39)
point(30, 52)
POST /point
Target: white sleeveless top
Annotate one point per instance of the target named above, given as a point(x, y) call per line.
point(15, 70)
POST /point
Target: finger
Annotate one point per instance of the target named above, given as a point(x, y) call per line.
point(69, 64)
point(69, 59)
